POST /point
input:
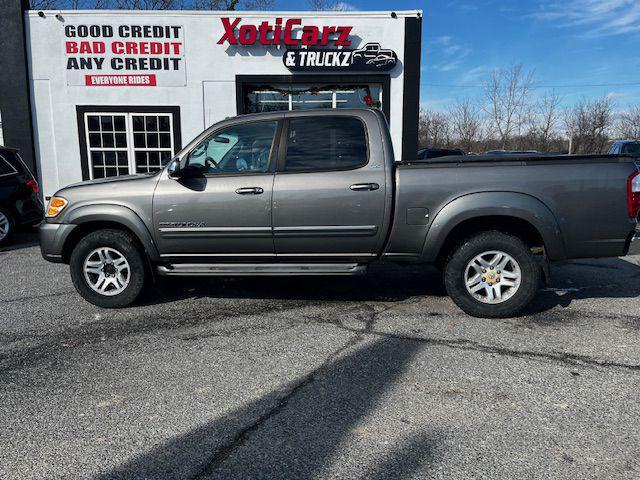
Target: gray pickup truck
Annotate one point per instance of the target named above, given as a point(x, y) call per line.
point(320, 193)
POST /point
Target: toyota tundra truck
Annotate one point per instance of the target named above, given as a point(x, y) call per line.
point(320, 193)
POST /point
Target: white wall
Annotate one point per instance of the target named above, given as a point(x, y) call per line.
point(210, 70)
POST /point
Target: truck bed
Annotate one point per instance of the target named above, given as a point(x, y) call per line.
point(523, 158)
point(580, 200)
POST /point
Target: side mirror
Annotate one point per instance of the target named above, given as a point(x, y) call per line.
point(173, 169)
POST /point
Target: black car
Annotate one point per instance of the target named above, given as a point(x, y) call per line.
point(625, 146)
point(20, 203)
point(427, 153)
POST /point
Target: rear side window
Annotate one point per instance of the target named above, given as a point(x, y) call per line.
point(5, 166)
point(633, 148)
point(325, 143)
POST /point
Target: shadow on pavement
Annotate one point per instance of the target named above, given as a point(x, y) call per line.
point(390, 283)
point(301, 430)
point(588, 279)
point(22, 239)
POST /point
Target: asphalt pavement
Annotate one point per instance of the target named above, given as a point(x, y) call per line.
point(368, 377)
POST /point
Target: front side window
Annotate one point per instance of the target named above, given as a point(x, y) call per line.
point(325, 143)
point(126, 143)
point(244, 148)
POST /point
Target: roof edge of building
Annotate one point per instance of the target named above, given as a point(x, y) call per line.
point(238, 13)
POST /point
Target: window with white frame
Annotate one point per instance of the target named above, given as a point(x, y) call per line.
point(127, 143)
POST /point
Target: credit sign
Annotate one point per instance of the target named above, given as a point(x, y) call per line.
point(124, 55)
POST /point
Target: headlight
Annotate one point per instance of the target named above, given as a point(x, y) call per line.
point(56, 205)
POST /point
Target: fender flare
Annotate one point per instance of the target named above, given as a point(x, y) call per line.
point(491, 204)
point(116, 214)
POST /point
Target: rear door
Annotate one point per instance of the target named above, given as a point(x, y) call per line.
point(330, 189)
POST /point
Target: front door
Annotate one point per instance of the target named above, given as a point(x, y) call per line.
point(221, 205)
point(330, 191)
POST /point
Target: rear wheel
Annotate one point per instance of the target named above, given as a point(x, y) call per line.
point(107, 268)
point(492, 275)
point(6, 227)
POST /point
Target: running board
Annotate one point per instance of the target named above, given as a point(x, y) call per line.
point(245, 269)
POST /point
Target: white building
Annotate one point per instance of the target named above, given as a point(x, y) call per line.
point(119, 92)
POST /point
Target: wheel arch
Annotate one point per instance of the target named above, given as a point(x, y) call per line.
point(510, 212)
point(91, 218)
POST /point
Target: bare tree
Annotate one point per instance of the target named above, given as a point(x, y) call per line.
point(588, 124)
point(146, 4)
point(544, 122)
point(628, 126)
point(434, 129)
point(507, 93)
point(329, 5)
point(153, 4)
point(466, 123)
point(228, 4)
point(44, 4)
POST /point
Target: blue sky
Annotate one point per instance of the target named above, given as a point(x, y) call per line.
point(570, 42)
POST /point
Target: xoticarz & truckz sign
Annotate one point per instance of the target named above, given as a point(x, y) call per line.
point(371, 57)
point(124, 55)
point(283, 33)
point(307, 45)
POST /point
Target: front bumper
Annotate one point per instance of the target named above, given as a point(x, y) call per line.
point(52, 239)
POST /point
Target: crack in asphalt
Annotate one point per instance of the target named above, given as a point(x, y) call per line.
point(560, 357)
point(465, 344)
point(243, 435)
point(108, 329)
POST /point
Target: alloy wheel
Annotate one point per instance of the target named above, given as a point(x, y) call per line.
point(493, 277)
point(107, 271)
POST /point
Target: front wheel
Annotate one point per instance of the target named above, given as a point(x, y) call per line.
point(492, 275)
point(107, 268)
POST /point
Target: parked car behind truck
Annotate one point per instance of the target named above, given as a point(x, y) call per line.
point(20, 204)
point(629, 147)
point(320, 193)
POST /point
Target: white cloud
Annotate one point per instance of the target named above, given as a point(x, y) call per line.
point(615, 95)
point(450, 54)
point(447, 66)
point(476, 74)
point(443, 40)
point(593, 17)
point(343, 7)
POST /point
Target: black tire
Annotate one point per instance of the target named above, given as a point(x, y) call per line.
point(6, 238)
point(454, 274)
point(124, 243)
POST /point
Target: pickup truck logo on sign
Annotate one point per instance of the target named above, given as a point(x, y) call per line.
point(371, 57)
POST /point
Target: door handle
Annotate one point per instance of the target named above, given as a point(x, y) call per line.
point(364, 186)
point(249, 191)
